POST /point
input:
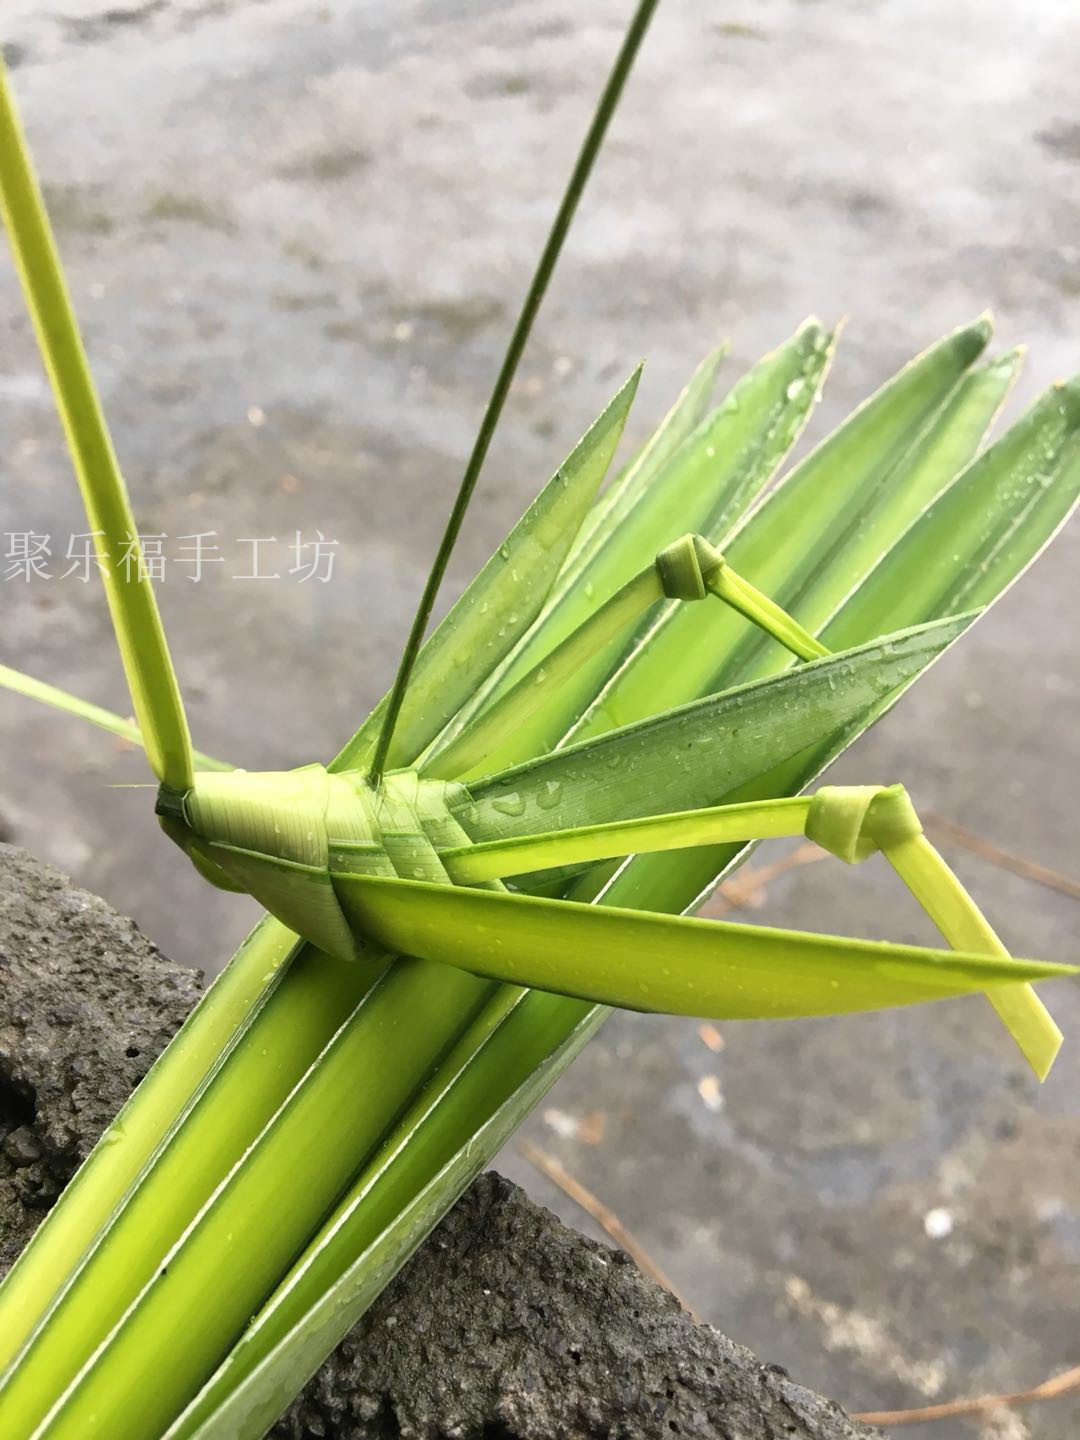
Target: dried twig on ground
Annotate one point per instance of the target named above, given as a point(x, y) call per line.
point(1064, 1383)
point(746, 888)
point(606, 1218)
point(941, 825)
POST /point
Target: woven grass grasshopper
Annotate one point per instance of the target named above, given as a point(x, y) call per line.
point(641, 681)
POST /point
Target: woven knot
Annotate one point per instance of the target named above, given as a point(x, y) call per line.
point(685, 567)
point(170, 803)
point(854, 821)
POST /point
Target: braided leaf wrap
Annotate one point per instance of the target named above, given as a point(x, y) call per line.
point(686, 566)
point(284, 836)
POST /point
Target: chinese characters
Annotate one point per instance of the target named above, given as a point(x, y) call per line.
point(29, 555)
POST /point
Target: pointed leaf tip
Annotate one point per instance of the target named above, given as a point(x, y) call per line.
point(976, 336)
point(503, 600)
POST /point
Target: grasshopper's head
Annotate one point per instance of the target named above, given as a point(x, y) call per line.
point(283, 836)
point(277, 814)
point(265, 833)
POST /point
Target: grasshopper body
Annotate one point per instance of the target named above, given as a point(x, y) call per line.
point(511, 841)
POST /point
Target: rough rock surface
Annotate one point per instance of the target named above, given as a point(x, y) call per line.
point(86, 1003)
point(505, 1324)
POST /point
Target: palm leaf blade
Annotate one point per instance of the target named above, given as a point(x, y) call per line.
point(503, 600)
point(998, 513)
point(809, 518)
point(706, 485)
point(622, 494)
point(692, 755)
point(665, 963)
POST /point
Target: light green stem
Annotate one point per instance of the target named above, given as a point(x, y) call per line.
point(758, 820)
point(765, 613)
point(954, 912)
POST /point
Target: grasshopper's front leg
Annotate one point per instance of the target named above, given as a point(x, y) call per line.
point(689, 569)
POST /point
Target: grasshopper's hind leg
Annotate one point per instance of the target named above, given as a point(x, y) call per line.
point(851, 822)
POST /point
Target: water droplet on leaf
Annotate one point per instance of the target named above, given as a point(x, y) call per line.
point(512, 805)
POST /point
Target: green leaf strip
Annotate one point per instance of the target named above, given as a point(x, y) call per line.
point(626, 490)
point(502, 602)
point(706, 485)
point(808, 520)
point(496, 859)
point(671, 964)
point(469, 752)
point(155, 692)
point(26, 685)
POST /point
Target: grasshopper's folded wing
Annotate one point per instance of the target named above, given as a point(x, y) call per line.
point(693, 755)
point(663, 963)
